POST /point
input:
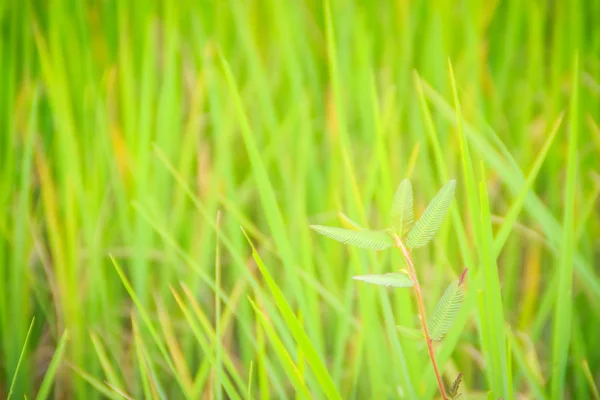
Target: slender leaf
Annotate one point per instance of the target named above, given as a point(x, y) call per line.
point(345, 220)
point(563, 315)
point(46, 385)
point(374, 240)
point(391, 279)
point(291, 368)
point(403, 215)
point(23, 349)
point(302, 339)
point(432, 218)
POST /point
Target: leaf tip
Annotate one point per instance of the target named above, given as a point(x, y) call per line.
point(462, 277)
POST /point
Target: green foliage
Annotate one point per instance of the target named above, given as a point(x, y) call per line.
point(391, 279)
point(447, 309)
point(402, 208)
point(128, 129)
point(374, 240)
point(432, 218)
point(402, 217)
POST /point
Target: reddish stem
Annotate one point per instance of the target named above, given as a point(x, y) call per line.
point(413, 276)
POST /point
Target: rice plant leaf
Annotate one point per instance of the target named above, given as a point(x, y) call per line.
point(432, 218)
point(48, 381)
point(446, 310)
point(411, 333)
point(366, 239)
point(391, 279)
point(403, 214)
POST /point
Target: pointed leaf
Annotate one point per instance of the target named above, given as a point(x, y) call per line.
point(391, 279)
point(374, 240)
point(432, 218)
point(410, 333)
point(348, 222)
point(402, 208)
point(446, 310)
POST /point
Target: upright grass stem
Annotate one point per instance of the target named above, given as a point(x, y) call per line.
point(413, 276)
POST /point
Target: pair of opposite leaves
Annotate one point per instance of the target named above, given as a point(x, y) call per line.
point(412, 236)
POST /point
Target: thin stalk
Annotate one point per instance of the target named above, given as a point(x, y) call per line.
point(413, 276)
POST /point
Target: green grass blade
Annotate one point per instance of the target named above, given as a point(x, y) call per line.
point(107, 366)
point(145, 316)
point(312, 357)
point(106, 391)
point(561, 329)
point(517, 205)
point(46, 386)
point(291, 369)
point(23, 349)
point(590, 379)
point(345, 220)
point(493, 324)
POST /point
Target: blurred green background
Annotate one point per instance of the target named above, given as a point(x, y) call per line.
point(158, 133)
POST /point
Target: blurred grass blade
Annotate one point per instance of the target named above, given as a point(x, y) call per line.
point(48, 381)
point(23, 349)
point(107, 366)
point(517, 205)
point(312, 357)
point(590, 379)
point(96, 384)
point(292, 371)
point(148, 324)
point(561, 329)
point(493, 323)
point(345, 220)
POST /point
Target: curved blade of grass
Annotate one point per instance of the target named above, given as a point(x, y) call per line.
point(590, 380)
point(149, 386)
point(145, 316)
point(517, 206)
point(291, 369)
point(514, 179)
point(561, 330)
point(204, 343)
point(364, 239)
point(312, 357)
point(493, 323)
point(46, 385)
point(432, 218)
point(14, 379)
point(96, 384)
point(533, 381)
point(105, 363)
point(391, 279)
point(403, 214)
point(348, 222)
